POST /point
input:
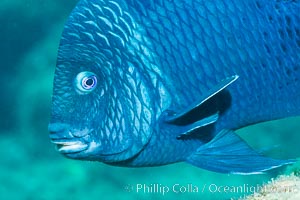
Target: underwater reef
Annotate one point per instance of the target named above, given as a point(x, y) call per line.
point(285, 187)
point(31, 168)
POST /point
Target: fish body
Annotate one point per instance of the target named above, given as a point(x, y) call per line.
point(146, 83)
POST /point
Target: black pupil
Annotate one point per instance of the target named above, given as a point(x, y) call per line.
point(90, 82)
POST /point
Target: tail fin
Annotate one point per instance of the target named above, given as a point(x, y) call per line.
point(228, 153)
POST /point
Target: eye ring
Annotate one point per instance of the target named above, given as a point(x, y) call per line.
point(89, 82)
point(85, 82)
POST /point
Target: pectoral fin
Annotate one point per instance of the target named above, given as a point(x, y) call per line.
point(203, 108)
point(228, 153)
point(189, 129)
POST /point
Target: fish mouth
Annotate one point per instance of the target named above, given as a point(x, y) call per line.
point(68, 141)
point(66, 147)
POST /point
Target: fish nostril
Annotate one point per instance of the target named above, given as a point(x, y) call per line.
point(57, 127)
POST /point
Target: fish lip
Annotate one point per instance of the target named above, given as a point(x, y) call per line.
point(64, 131)
point(67, 139)
point(67, 146)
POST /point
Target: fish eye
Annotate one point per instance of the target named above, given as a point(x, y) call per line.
point(85, 82)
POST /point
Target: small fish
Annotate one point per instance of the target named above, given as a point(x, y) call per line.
point(148, 83)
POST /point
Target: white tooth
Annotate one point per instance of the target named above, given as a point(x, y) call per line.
point(75, 147)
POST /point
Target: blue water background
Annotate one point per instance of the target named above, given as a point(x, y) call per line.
point(31, 168)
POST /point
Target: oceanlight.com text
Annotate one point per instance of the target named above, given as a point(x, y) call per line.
point(163, 189)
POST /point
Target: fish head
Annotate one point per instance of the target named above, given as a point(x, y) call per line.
point(102, 108)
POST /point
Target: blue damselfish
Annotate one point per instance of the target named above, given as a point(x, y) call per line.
point(146, 83)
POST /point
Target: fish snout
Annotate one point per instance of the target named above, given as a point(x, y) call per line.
point(59, 131)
